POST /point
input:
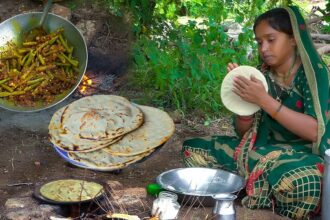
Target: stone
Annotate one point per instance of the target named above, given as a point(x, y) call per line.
point(88, 29)
point(25, 208)
point(176, 116)
point(43, 1)
point(129, 199)
point(23, 202)
point(114, 185)
point(59, 218)
point(136, 192)
point(62, 11)
point(36, 213)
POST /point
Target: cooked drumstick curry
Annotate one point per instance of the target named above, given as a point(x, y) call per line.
point(38, 70)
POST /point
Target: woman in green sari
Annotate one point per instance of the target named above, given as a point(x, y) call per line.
point(279, 150)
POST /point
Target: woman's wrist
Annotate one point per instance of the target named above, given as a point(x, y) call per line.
point(278, 109)
point(245, 118)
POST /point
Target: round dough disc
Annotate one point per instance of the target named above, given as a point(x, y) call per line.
point(233, 102)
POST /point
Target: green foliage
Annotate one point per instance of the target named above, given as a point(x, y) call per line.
point(327, 12)
point(182, 65)
point(326, 59)
point(73, 4)
point(326, 29)
point(142, 11)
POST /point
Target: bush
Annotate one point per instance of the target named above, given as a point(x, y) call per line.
point(182, 66)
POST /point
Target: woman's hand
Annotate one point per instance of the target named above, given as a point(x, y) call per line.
point(251, 90)
point(231, 66)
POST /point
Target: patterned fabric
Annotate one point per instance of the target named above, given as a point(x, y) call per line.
point(317, 75)
point(292, 178)
point(281, 170)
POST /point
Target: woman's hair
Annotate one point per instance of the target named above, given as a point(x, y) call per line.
point(277, 18)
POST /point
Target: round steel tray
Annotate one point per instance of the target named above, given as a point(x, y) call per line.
point(197, 181)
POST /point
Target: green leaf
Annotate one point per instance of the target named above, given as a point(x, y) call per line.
point(197, 39)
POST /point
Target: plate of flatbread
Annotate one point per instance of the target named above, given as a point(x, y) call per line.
point(100, 160)
point(108, 132)
point(232, 101)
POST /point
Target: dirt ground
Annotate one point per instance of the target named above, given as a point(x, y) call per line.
point(27, 158)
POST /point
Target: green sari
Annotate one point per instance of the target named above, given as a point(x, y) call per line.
point(281, 170)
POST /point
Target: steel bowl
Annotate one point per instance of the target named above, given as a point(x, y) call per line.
point(13, 28)
point(195, 181)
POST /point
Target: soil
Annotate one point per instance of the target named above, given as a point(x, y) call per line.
point(27, 159)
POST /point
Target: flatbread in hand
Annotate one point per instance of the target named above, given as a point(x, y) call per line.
point(233, 102)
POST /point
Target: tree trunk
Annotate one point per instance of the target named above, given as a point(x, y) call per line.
point(321, 36)
point(317, 19)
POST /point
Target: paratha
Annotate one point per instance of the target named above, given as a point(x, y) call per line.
point(93, 123)
point(101, 117)
point(109, 152)
point(71, 190)
point(69, 141)
point(157, 128)
point(101, 159)
point(233, 102)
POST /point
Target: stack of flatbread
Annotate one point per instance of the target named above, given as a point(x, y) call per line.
point(109, 132)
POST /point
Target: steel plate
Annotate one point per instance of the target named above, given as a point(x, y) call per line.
point(197, 181)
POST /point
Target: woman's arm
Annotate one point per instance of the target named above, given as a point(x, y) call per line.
point(298, 123)
point(243, 124)
point(303, 125)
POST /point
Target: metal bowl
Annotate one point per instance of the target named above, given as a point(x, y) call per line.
point(196, 181)
point(13, 28)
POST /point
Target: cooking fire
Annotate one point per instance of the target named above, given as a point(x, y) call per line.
point(94, 83)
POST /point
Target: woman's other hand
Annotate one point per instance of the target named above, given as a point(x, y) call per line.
point(231, 66)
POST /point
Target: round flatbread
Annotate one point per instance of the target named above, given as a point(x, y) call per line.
point(157, 128)
point(233, 102)
point(101, 159)
point(101, 117)
point(93, 122)
point(71, 190)
point(70, 142)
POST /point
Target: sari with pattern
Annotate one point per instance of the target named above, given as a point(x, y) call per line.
point(282, 170)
